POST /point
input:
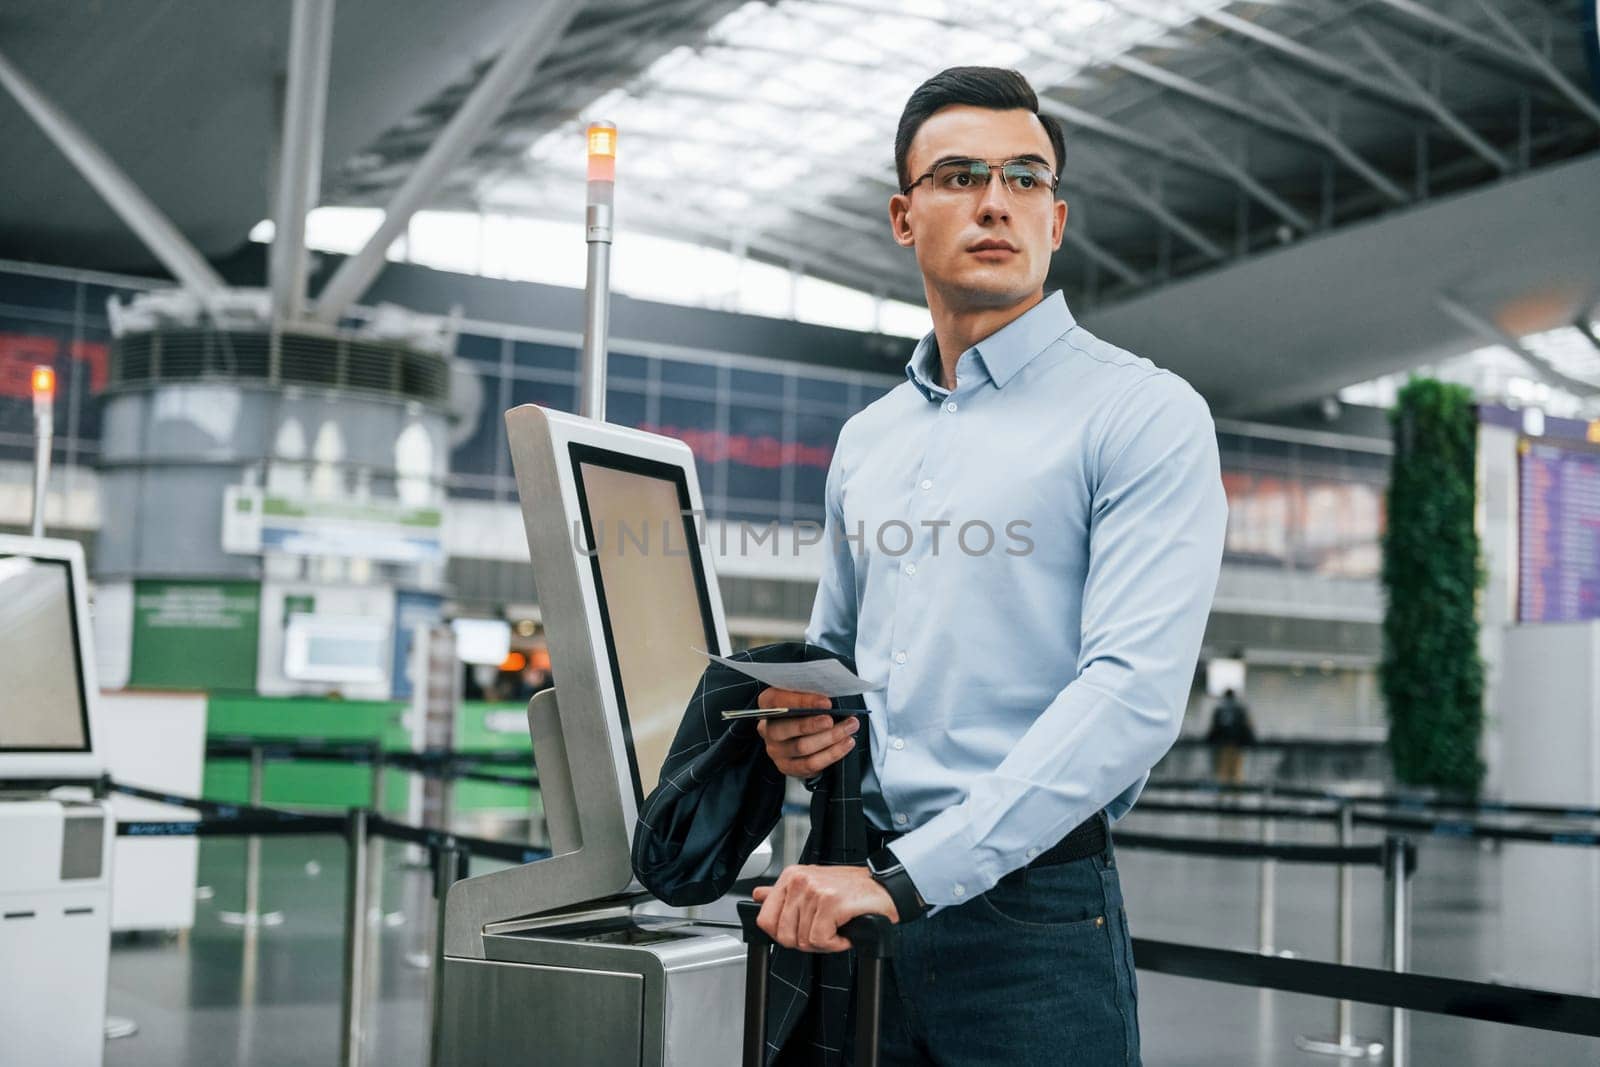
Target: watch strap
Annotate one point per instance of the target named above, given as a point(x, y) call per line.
point(889, 872)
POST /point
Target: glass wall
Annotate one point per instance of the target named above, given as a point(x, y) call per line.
point(55, 319)
point(1302, 507)
point(762, 433)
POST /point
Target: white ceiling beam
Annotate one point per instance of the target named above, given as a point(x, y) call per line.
point(1155, 208)
point(1126, 136)
point(1490, 331)
point(1205, 94)
point(1346, 155)
point(1307, 56)
point(1445, 117)
point(300, 153)
point(1112, 262)
point(1562, 84)
point(536, 38)
point(1246, 181)
point(1437, 19)
point(164, 240)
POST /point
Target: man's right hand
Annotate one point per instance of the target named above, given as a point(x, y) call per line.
point(804, 747)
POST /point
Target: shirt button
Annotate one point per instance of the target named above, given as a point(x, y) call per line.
point(927, 483)
point(958, 890)
point(898, 742)
point(950, 406)
point(911, 568)
point(1032, 852)
point(899, 657)
point(901, 818)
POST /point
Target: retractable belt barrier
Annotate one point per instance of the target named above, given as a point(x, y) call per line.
point(246, 820)
point(1408, 801)
point(1359, 855)
point(1395, 989)
point(1565, 1013)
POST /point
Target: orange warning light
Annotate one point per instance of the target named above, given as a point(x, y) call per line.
point(602, 152)
point(44, 381)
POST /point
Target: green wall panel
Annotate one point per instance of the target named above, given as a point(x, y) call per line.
point(319, 784)
point(195, 635)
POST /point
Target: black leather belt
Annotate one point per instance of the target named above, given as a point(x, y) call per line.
point(1086, 839)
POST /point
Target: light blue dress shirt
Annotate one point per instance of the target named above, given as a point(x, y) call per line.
point(1025, 564)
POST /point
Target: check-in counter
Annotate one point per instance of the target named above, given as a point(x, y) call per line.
point(566, 961)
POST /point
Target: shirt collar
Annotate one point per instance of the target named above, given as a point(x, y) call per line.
point(1004, 352)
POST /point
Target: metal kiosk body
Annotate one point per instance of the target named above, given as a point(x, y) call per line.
point(566, 961)
point(55, 840)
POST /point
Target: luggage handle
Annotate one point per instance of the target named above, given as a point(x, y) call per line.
point(870, 935)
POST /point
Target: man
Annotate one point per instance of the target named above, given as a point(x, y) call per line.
point(1230, 732)
point(1032, 674)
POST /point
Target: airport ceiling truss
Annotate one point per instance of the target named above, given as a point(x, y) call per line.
point(1199, 132)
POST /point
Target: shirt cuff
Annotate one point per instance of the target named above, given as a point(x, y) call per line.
point(943, 862)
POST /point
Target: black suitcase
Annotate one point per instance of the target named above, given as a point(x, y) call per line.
point(873, 938)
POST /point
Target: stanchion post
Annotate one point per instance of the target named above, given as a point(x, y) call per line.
point(1399, 861)
point(252, 916)
point(1343, 916)
point(447, 794)
point(1266, 885)
point(372, 910)
point(378, 770)
point(450, 867)
point(355, 937)
point(1343, 1042)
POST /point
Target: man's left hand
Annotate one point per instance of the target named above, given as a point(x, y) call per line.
point(808, 904)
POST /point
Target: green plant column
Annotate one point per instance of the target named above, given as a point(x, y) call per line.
point(1432, 675)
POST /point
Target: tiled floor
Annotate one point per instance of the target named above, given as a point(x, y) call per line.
point(220, 997)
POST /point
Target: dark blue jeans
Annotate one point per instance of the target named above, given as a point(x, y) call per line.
point(1039, 970)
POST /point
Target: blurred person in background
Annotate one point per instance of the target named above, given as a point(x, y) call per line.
point(1229, 735)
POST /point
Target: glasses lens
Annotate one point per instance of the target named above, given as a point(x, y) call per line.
point(1028, 176)
point(959, 175)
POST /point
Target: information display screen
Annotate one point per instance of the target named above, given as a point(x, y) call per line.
point(1559, 533)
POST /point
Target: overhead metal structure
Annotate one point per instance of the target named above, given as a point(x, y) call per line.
point(1199, 133)
point(1203, 136)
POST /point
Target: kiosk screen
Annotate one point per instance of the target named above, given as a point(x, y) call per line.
point(42, 706)
point(654, 604)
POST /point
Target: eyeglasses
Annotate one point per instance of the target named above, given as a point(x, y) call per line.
point(1026, 178)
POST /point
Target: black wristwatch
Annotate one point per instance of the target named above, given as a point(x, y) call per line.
point(889, 872)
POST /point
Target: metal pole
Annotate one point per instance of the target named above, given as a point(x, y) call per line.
point(451, 868)
point(1343, 931)
point(373, 905)
point(355, 940)
point(300, 156)
point(378, 768)
point(44, 420)
point(447, 795)
point(1397, 882)
point(597, 288)
point(755, 1003)
point(1343, 1042)
point(252, 916)
point(1266, 886)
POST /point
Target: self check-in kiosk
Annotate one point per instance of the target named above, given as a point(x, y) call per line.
point(565, 961)
point(55, 842)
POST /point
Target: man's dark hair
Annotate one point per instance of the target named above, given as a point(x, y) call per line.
point(991, 87)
